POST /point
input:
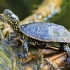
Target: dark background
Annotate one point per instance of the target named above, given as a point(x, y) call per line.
point(23, 8)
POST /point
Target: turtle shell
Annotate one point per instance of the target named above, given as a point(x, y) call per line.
point(45, 31)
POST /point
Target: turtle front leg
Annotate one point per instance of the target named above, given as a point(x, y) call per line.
point(25, 50)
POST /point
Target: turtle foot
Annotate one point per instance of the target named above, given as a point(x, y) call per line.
point(22, 55)
point(68, 61)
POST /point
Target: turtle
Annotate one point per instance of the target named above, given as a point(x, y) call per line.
point(38, 34)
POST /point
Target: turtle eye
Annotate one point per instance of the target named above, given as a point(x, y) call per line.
point(8, 14)
point(14, 18)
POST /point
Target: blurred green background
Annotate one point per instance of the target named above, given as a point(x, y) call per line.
point(23, 8)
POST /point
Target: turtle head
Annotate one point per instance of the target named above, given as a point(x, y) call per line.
point(11, 18)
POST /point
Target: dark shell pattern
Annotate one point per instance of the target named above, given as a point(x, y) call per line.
point(45, 31)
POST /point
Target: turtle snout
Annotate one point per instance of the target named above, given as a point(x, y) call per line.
point(10, 15)
point(7, 12)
